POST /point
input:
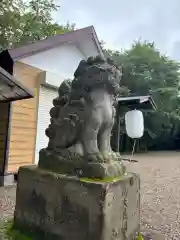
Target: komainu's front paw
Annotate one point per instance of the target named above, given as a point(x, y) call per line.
point(95, 157)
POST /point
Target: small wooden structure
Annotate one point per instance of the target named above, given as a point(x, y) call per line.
point(134, 102)
point(10, 90)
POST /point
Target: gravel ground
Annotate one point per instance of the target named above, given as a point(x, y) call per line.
point(160, 194)
point(7, 201)
point(160, 191)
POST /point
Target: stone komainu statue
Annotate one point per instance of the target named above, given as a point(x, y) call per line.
point(82, 119)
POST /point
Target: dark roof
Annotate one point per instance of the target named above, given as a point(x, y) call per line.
point(6, 62)
point(138, 102)
point(10, 88)
point(51, 42)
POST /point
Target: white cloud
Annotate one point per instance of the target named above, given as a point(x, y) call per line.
point(120, 22)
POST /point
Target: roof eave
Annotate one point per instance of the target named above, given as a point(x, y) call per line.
point(15, 90)
point(140, 102)
point(49, 43)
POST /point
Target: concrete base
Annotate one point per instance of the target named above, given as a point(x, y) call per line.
point(67, 208)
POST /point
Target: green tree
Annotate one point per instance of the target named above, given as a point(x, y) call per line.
point(148, 72)
point(27, 21)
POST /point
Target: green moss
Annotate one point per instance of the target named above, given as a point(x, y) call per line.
point(139, 237)
point(104, 180)
point(9, 232)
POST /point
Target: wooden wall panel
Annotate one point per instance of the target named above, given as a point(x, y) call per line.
point(23, 121)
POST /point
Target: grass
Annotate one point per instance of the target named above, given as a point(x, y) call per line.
point(8, 233)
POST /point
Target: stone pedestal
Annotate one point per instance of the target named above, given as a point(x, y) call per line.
point(67, 208)
point(66, 162)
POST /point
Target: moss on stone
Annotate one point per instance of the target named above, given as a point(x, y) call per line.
point(104, 180)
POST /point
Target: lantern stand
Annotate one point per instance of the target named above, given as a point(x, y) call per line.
point(118, 128)
point(145, 103)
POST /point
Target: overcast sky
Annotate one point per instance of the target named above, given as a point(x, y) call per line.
point(120, 22)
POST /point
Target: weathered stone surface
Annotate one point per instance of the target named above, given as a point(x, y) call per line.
point(82, 119)
point(78, 166)
point(72, 209)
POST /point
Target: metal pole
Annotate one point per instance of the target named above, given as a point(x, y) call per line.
point(118, 128)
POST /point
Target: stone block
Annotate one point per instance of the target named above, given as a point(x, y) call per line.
point(73, 165)
point(69, 208)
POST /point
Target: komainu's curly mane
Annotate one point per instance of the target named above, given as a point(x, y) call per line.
point(97, 73)
point(93, 73)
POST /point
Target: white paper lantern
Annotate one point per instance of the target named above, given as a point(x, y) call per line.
point(134, 122)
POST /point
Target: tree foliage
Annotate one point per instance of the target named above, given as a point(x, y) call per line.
point(148, 72)
point(145, 69)
point(22, 22)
